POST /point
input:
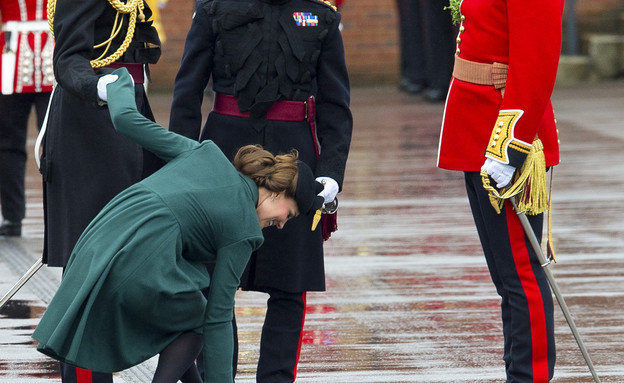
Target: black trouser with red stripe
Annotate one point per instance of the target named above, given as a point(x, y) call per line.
point(71, 374)
point(526, 300)
point(282, 332)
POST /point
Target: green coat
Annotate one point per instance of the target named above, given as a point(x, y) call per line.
point(133, 281)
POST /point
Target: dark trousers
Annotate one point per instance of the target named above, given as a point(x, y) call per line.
point(526, 300)
point(427, 42)
point(15, 110)
point(282, 332)
point(412, 45)
point(71, 374)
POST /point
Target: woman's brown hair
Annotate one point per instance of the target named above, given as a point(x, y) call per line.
point(275, 173)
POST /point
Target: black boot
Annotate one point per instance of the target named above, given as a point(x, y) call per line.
point(11, 229)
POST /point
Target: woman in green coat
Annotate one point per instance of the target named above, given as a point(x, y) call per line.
point(132, 287)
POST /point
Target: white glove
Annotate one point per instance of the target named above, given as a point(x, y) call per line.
point(101, 85)
point(500, 172)
point(330, 188)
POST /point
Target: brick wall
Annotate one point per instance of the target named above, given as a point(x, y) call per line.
point(176, 17)
point(370, 36)
point(369, 32)
point(371, 39)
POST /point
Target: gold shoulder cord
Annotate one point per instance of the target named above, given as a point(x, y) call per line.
point(332, 6)
point(131, 7)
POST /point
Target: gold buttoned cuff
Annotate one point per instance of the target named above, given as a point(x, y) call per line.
point(503, 146)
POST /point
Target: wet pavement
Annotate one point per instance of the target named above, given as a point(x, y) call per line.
point(409, 298)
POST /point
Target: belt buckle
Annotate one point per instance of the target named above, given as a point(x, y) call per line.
point(305, 103)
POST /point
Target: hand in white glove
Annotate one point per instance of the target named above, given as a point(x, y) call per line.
point(330, 188)
point(101, 85)
point(501, 173)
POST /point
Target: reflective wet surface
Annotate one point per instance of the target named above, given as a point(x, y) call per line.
point(409, 298)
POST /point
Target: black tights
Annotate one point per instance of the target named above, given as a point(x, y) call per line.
point(177, 360)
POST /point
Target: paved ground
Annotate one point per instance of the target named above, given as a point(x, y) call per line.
point(409, 298)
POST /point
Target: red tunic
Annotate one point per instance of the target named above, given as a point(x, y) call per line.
point(26, 45)
point(526, 35)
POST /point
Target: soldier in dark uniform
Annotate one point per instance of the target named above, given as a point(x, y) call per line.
point(427, 42)
point(85, 162)
point(280, 80)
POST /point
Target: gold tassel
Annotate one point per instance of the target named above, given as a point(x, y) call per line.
point(533, 198)
point(529, 184)
point(316, 219)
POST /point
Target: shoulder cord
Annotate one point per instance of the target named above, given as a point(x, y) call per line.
point(132, 7)
point(329, 4)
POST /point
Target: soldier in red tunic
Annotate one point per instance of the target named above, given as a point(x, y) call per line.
point(25, 81)
point(498, 104)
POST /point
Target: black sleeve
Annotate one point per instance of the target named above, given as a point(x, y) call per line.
point(193, 75)
point(74, 33)
point(334, 121)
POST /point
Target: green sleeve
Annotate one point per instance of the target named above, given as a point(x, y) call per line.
point(218, 335)
point(128, 121)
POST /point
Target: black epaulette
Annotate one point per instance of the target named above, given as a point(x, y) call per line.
point(326, 3)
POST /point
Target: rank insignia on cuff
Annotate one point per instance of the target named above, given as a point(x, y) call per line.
point(503, 146)
point(305, 19)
